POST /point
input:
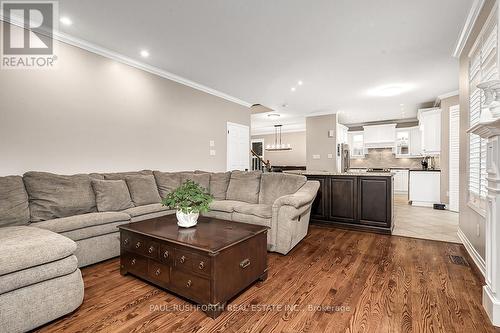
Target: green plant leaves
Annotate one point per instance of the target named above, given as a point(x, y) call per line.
point(190, 197)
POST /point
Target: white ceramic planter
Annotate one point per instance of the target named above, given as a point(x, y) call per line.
point(186, 220)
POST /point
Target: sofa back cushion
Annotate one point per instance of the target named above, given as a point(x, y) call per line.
point(275, 185)
point(123, 175)
point(111, 195)
point(53, 196)
point(14, 209)
point(203, 179)
point(143, 189)
point(167, 182)
point(244, 186)
point(219, 181)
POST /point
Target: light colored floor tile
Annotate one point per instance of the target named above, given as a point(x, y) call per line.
point(423, 222)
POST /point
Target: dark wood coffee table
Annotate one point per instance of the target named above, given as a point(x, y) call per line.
point(208, 264)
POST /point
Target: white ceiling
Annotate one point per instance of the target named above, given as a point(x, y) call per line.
point(257, 50)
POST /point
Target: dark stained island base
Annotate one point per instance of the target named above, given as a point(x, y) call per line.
point(208, 264)
point(353, 200)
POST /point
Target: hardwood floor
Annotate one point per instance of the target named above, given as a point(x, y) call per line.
point(354, 282)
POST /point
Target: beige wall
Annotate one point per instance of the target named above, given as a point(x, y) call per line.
point(95, 114)
point(294, 157)
point(318, 142)
point(445, 145)
point(469, 219)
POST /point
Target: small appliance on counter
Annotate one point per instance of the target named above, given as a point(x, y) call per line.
point(424, 163)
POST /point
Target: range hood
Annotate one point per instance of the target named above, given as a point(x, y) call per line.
point(379, 136)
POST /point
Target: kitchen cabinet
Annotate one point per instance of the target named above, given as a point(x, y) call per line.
point(400, 180)
point(402, 142)
point(430, 127)
point(342, 134)
point(356, 144)
point(424, 188)
point(362, 202)
point(415, 142)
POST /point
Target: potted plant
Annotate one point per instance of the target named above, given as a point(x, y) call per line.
point(189, 199)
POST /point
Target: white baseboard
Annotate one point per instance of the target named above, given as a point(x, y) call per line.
point(472, 252)
point(422, 204)
point(491, 305)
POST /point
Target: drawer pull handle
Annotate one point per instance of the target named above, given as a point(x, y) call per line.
point(138, 245)
point(151, 249)
point(245, 263)
point(133, 262)
point(201, 265)
point(189, 283)
point(165, 254)
point(125, 241)
point(158, 271)
point(182, 260)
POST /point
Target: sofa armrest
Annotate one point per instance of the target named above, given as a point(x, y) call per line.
point(304, 196)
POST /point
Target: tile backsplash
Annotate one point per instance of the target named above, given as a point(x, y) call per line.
point(384, 158)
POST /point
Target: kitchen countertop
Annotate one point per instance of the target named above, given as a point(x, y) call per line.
point(331, 173)
point(428, 170)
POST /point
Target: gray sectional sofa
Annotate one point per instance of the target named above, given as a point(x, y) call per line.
point(71, 222)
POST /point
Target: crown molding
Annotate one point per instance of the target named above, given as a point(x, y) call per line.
point(448, 95)
point(96, 49)
point(476, 7)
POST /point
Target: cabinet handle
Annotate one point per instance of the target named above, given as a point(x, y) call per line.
point(157, 272)
point(245, 263)
point(133, 262)
point(125, 241)
point(138, 245)
point(165, 254)
point(151, 249)
point(182, 259)
point(189, 283)
point(201, 265)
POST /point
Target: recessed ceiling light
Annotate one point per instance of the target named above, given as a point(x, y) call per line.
point(390, 90)
point(401, 105)
point(144, 53)
point(293, 88)
point(65, 20)
point(300, 83)
point(273, 115)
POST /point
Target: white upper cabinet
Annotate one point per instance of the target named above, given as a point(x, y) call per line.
point(402, 142)
point(356, 144)
point(380, 136)
point(342, 136)
point(415, 142)
point(430, 128)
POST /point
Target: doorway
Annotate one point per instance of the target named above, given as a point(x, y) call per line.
point(238, 146)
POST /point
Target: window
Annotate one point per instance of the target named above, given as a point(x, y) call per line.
point(482, 67)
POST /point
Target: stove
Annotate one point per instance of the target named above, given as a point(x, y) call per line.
point(378, 170)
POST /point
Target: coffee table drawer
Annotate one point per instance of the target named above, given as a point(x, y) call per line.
point(190, 285)
point(145, 246)
point(166, 254)
point(133, 262)
point(191, 262)
point(159, 272)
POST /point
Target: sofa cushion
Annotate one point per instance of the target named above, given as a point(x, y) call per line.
point(143, 189)
point(14, 208)
point(22, 247)
point(123, 175)
point(219, 183)
point(111, 195)
point(244, 186)
point(53, 196)
point(36, 274)
point(81, 221)
point(94, 231)
point(167, 182)
point(147, 209)
point(275, 185)
point(202, 179)
point(260, 210)
point(252, 219)
point(224, 205)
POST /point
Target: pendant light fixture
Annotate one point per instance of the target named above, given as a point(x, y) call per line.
point(278, 144)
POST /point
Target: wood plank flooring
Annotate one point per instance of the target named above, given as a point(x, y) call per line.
point(333, 281)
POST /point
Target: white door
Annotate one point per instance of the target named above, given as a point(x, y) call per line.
point(238, 147)
point(454, 157)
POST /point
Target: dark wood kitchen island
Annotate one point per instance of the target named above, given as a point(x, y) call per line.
point(353, 200)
